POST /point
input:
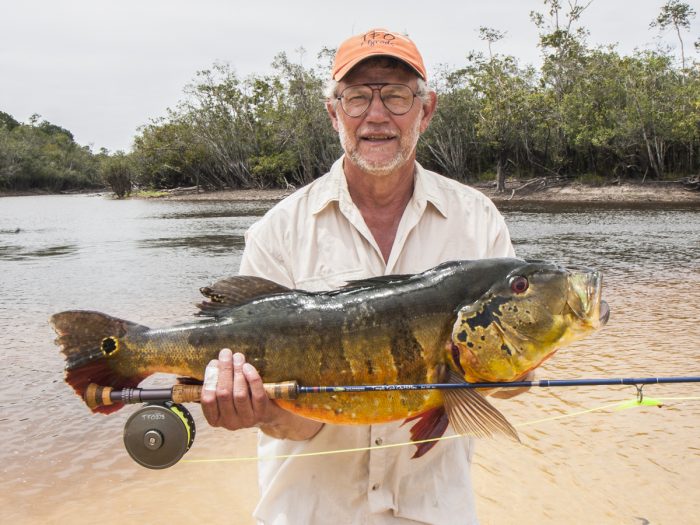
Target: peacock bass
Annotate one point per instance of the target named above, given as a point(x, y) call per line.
point(490, 320)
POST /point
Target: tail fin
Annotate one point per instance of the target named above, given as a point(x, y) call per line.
point(87, 339)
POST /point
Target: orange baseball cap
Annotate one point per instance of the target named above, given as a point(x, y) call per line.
point(376, 42)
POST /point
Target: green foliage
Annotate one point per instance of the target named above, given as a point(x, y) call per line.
point(117, 172)
point(7, 121)
point(261, 131)
point(41, 155)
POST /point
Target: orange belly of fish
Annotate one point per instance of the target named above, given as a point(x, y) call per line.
point(362, 408)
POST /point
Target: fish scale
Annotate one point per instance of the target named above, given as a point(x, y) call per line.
point(462, 320)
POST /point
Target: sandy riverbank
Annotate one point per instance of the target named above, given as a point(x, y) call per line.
point(532, 191)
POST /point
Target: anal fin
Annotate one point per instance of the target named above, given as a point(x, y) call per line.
point(431, 425)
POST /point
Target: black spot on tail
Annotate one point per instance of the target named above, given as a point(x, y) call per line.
point(87, 339)
point(109, 345)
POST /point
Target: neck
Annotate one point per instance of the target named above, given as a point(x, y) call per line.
point(381, 200)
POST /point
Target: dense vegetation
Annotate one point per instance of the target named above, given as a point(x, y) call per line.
point(587, 112)
point(41, 155)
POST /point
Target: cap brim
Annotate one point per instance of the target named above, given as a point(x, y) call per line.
point(345, 68)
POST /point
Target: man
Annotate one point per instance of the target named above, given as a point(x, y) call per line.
point(376, 212)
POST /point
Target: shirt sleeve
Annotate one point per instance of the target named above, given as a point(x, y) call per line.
point(501, 245)
point(262, 259)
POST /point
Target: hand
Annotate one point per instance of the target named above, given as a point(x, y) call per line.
point(239, 401)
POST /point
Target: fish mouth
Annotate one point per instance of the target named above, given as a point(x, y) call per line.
point(584, 296)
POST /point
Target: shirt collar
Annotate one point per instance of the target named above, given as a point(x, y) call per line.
point(425, 190)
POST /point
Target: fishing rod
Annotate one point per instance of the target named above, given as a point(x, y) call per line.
point(96, 396)
point(158, 434)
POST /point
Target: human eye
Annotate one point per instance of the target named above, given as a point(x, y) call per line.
point(356, 96)
point(396, 93)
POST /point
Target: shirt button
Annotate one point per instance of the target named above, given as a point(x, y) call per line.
point(375, 486)
point(378, 441)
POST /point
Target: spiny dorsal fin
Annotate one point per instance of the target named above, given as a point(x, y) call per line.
point(235, 291)
point(469, 412)
point(371, 282)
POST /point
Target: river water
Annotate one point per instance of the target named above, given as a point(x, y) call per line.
point(144, 260)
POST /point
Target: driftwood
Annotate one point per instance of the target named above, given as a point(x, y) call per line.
point(540, 183)
point(692, 183)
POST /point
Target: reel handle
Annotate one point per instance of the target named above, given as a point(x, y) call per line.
point(97, 396)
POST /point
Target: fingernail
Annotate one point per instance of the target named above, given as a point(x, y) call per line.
point(248, 369)
point(211, 376)
point(225, 355)
point(238, 359)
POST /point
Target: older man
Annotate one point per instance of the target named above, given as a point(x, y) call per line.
point(376, 212)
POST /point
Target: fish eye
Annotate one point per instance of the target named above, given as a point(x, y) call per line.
point(519, 284)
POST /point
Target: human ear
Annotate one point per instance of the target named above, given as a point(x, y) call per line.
point(428, 111)
point(332, 113)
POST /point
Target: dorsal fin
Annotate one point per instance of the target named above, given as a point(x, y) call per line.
point(235, 291)
point(371, 282)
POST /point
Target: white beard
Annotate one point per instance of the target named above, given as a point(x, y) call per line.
point(407, 144)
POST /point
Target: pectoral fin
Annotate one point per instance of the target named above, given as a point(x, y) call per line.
point(469, 413)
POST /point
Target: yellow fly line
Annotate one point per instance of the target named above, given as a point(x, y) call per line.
point(442, 438)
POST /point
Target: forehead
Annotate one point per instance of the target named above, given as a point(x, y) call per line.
point(369, 72)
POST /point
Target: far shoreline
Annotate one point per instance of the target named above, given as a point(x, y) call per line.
point(535, 191)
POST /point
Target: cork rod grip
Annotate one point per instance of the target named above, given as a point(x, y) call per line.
point(98, 396)
point(192, 393)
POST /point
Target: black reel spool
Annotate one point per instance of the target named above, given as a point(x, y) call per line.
point(157, 435)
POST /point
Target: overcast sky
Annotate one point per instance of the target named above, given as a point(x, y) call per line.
point(102, 68)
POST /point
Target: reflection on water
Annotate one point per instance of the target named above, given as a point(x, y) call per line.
point(18, 253)
point(145, 260)
point(216, 244)
point(217, 209)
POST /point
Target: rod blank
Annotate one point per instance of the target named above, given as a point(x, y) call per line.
point(96, 395)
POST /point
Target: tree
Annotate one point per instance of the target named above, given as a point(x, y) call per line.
point(7, 121)
point(677, 14)
point(117, 171)
point(451, 144)
point(503, 91)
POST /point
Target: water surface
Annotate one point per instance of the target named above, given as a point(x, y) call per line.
point(144, 260)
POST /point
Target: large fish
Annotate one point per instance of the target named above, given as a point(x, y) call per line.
point(489, 320)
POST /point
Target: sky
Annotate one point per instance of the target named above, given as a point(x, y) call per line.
point(102, 68)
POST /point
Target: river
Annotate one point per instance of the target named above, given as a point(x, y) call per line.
point(144, 260)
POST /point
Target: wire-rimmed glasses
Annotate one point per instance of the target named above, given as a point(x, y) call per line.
point(397, 98)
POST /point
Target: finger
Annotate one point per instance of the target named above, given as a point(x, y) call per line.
point(211, 376)
point(224, 391)
point(258, 395)
point(241, 392)
point(210, 408)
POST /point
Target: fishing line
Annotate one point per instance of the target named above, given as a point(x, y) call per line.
point(441, 438)
point(159, 433)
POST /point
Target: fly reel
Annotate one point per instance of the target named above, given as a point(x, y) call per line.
point(157, 435)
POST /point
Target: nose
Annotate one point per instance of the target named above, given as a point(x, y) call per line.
point(376, 112)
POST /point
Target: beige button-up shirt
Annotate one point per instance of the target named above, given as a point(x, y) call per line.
point(316, 239)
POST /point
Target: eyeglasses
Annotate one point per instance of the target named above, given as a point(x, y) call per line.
point(397, 98)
